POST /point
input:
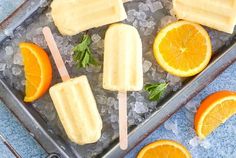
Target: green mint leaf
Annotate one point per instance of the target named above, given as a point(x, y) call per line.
point(85, 60)
point(82, 53)
point(155, 91)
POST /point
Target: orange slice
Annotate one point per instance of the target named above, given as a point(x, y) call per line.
point(183, 48)
point(38, 71)
point(164, 149)
point(214, 111)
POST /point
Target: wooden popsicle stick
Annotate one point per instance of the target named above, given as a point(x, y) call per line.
point(56, 54)
point(123, 128)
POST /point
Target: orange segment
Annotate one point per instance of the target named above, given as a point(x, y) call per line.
point(38, 71)
point(214, 111)
point(164, 149)
point(183, 48)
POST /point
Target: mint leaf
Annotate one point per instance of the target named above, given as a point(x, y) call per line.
point(82, 53)
point(155, 91)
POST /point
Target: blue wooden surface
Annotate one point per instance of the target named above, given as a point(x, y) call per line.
point(18, 137)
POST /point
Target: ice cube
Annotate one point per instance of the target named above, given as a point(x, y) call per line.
point(156, 6)
point(16, 71)
point(146, 65)
point(151, 24)
point(141, 16)
point(23, 82)
point(195, 141)
point(9, 50)
point(95, 38)
point(132, 12)
point(101, 99)
point(205, 144)
point(111, 101)
point(130, 18)
point(172, 126)
point(3, 66)
point(114, 118)
point(143, 23)
point(140, 108)
point(131, 122)
point(17, 59)
point(143, 7)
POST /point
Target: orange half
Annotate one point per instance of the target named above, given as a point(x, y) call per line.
point(164, 149)
point(38, 71)
point(183, 48)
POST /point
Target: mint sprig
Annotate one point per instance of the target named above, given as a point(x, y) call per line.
point(83, 54)
point(155, 90)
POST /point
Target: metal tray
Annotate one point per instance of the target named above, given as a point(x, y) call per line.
point(53, 143)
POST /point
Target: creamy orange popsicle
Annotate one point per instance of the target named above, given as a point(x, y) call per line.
point(217, 14)
point(122, 69)
point(74, 16)
point(77, 110)
point(74, 102)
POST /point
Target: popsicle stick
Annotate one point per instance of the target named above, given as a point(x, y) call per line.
point(123, 131)
point(56, 54)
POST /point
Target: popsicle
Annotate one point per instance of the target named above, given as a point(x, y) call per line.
point(122, 69)
point(74, 16)
point(217, 14)
point(74, 101)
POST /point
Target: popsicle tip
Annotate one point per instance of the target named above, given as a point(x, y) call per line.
point(123, 145)
point(46, 29)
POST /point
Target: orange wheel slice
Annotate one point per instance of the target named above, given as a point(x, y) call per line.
point(183, 48)
point(38, 71)
point(164, 149)
point(214, 111)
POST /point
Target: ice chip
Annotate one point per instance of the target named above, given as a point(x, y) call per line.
point(143, 7)
point(95, 38)
point(140, 108)
point(9, 50)
point(17, 59)
point(205, 144)
point(101, 99)
point(195, 141)
point(2, 66)
point(114, 118)
point(156, 6)
point(16, 71)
